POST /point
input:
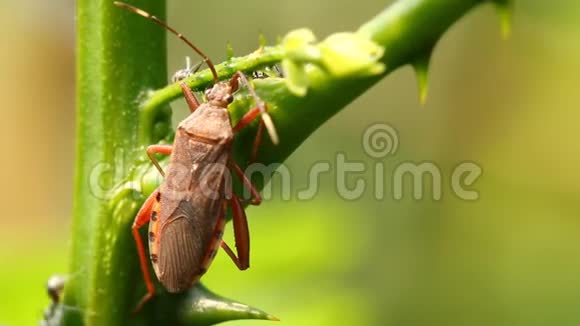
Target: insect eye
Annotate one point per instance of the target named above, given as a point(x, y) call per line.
point(229, 99)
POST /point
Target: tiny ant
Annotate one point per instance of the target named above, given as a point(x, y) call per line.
point(185, 72)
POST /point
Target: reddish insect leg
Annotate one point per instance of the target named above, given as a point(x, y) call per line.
point(142, 218)
point(261, 108)
point(256, 198)
point(189, 97)
point(158, 149)
point(241, 236)
point(246, 120)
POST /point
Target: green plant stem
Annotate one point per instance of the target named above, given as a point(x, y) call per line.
point(114, 66)
point(118, 114)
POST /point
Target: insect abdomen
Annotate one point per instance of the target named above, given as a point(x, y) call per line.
point(180, 255)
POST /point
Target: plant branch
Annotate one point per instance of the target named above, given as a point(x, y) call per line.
point(408, 30)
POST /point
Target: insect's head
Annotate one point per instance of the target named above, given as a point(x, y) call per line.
point(221, 94)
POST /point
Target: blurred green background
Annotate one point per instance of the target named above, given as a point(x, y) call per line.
point(510, 258)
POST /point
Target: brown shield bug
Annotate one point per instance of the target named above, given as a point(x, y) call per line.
point(186, 214)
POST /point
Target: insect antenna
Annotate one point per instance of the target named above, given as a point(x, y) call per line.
point(147, 15)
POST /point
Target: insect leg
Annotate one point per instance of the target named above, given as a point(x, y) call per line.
point(256, 198)
point(247, 118)
point(261, 108)
point(158, 149)
point(241, 236)
point(257, 141)
point(244, 121)
point(143, 216)
point(189, 97)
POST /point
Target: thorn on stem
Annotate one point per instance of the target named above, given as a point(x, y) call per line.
point(421, 66)
point(505, 10)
